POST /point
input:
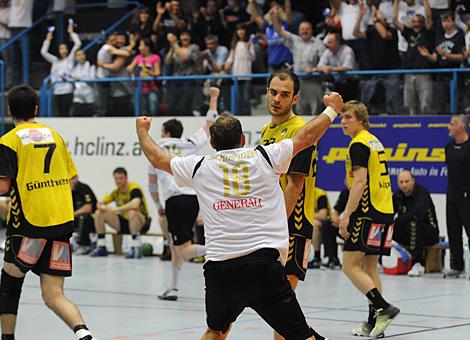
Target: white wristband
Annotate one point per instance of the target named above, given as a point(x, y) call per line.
point(212, 115)
point(331, 113)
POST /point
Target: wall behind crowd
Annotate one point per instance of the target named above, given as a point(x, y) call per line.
point(99, 145)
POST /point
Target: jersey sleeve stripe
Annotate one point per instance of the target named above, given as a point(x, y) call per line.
point(197, 166)
point(264, 154)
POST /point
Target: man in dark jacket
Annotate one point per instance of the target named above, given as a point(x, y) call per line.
point(415, 220)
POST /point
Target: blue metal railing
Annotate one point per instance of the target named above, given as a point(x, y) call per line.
point(45, 100)
point(234, 88)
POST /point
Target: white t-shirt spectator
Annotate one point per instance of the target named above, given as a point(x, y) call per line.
point(344, 57)
point(241, 58)
point(61, 69)
point(348, 17)
point(439, 4)
point(241, 201)
point(21, 13)
point(4, 18)
point(405, 15)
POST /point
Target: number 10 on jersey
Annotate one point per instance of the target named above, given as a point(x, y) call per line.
point(236, 179)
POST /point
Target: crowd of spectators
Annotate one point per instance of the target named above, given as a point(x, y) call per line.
point(193, 37)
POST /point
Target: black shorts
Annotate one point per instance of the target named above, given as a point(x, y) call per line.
point(181, 213)
point(369, 237)
point(258, 281)
point(297, 257)
point(40, 255)
point(124, 225)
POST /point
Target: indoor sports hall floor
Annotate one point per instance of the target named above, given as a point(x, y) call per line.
point(118, 300)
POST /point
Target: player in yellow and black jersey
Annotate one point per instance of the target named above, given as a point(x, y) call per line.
point(366, 222)
point(128, 216)
point(322, 211)
point(36, 168)
point(299, 182)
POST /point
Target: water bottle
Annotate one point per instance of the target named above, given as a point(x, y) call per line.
point(466, 256)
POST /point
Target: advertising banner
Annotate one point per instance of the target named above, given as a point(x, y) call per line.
point(414, 143)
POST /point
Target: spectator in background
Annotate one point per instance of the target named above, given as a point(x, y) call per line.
point(141, 27)
point(21, 17)
point(170, 19)
point(406, 11)
point(214, 56)
point(184, 57)
point(233, 15)
point(84, 205)
point(449, 53)
point(208, 20)
point(382, 44)
point(320, 218)
point(61, 70)
point(419, 88)
point(279, 56)
point(348, 13)
point(147, 64)
point(5, 34)
point(415, 220)
point(439, 7)
point(339, 57)
point(306, 51)
point(120, 92)
point(240, 59)
point(83, 93)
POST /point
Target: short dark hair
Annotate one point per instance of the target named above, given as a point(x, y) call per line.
point(174, 127)
point(448, 14)
point(120, 170)
point(285, 74)
point(22, 101)
point(226, 133)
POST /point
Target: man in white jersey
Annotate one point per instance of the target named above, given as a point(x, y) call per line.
point(181, 205)
point(245, 220)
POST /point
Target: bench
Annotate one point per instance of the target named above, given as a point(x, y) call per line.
point(117, 240)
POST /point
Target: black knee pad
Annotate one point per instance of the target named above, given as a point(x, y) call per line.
point(10, 292)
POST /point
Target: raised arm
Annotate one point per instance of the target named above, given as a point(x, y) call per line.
point(212, 113)
point(274, 13)
point(45, 49)
point(255, 15)
point(157, 23)
point(156, 156)
point(427, 14)
point(396, 21)
point(288, 10)
point(357, 26)
point(311, 132)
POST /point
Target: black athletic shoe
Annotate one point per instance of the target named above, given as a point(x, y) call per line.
point(453, 274)
point(314, 264)
point(318, 336)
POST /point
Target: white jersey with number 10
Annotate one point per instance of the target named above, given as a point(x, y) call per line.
point(240, 198)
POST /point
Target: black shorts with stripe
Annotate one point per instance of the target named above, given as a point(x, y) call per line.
point(258, 281)
point(369, 237)
point(297, 258)
point(40, 255)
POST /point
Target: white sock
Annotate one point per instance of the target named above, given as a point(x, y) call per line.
point(136, 242)
point(101, 242)
point(175, 271)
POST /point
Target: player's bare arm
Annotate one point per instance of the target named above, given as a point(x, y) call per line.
point(156, 156)
point(212, 113)
point(311, 132)
point(295, 184)
point(355, 194)
point(4, 185)
point(133, 204)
